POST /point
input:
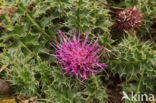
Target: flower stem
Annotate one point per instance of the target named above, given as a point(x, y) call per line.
point(140, 81)
point(95, 80)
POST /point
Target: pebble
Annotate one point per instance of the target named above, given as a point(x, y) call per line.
point(5, 88)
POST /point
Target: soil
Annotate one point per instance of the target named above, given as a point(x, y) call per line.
point(114, 90)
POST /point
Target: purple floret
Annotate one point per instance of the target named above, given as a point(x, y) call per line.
point(79, 58)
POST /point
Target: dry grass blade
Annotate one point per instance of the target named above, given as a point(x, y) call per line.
point(3, 67)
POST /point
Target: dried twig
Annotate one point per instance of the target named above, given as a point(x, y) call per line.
point(110, 6)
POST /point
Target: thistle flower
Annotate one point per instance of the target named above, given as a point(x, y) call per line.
point(129, 18)
point(79, 58)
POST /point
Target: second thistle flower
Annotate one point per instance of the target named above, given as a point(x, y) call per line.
point(129, 18)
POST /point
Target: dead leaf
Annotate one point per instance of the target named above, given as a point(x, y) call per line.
point(3, 67)
point(8, 101)
point(8, 11)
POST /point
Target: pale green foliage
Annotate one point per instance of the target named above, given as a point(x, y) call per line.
point(132, 57)
point(135, 61)
point(19, 72)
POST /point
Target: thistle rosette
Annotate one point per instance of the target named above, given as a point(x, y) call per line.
point(80, 58)
point(129, 18)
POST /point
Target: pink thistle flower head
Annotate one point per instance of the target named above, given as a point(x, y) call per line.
point(129, 18)
point(79, 58)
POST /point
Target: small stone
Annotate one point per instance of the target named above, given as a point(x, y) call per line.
point(5, 88)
